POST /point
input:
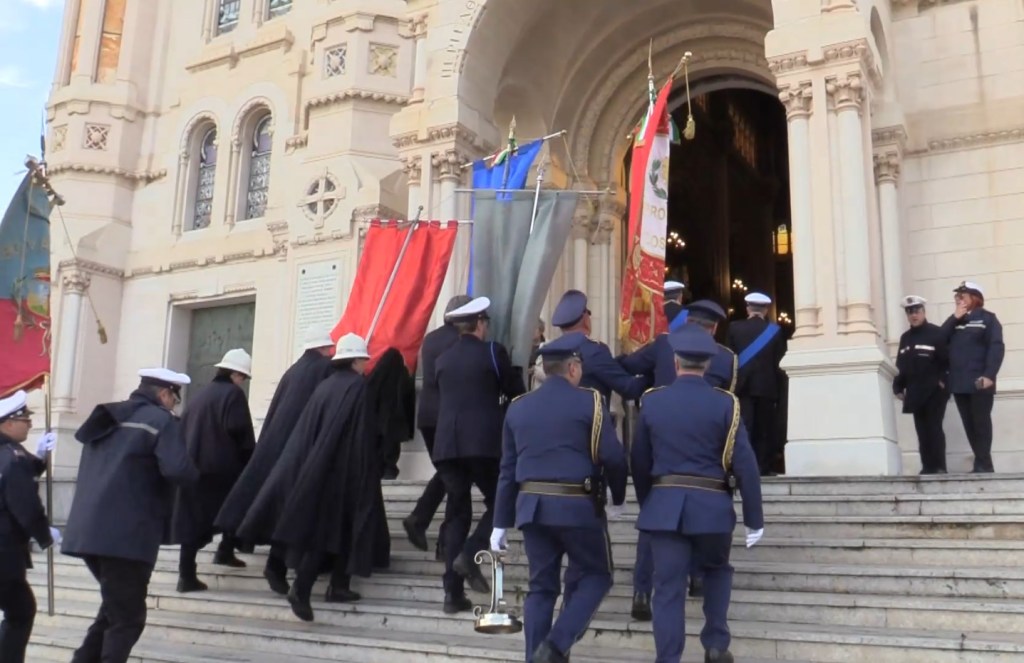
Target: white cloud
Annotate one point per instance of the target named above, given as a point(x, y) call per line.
point(11, 76)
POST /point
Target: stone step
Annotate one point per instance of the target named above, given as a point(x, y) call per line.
point(424, 595)
point(986, 504)
point(957, 527)
point(335, 638)
point(950, 484)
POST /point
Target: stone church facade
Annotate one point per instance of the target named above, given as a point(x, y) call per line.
point(222, 158)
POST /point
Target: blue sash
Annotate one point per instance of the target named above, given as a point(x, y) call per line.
point(677, 323)
point(754, 348)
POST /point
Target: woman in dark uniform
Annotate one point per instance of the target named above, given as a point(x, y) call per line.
point(975, 354)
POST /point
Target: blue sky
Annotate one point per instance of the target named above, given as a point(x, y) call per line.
point(29, 34)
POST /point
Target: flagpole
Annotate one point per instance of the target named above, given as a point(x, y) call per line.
point(536, 196)
point(48, 414)
point(394, 274)
point(511, 150)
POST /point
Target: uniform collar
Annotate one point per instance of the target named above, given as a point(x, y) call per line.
point(689, 379)
point(556, 381)
point(6, 440)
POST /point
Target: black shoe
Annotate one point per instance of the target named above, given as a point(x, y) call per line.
point(641, 607)
point(188, 584)
point(454, 604)
point(471, 572)
point(341, 595)
point(278, 583)
point(417, 535)
point(228, 559)
point(390, 474)
point(546, 653)
point(696, 586)
point(302, 609)
point(715, 656)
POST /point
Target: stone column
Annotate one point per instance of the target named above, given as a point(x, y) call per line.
point(448, 166)
point(89, 42)
point(74, 284)
point(797, 99)
point(413, 167)
point(887, 172)
point(580, 238)
point(847, 93)
point(419, 77)
point(603, 239)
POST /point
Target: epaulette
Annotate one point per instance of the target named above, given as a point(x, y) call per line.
point(731, 395)
point(652, 389)
point(591, 389)
point(726, 348)
point(525, 393)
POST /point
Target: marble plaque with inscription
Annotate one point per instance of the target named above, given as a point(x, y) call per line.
point(317, 299)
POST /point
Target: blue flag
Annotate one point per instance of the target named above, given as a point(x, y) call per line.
point(507, 170)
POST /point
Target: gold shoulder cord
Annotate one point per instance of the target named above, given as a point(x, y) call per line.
point(730, 440)
point(735, 370)
point(595, 429)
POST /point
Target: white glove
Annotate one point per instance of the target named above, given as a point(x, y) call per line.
point(753, 536)
point(47, 442)
point(57, 538)
point(498, 541)
point(613, 512)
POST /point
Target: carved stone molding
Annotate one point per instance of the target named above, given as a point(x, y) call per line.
point(845, 92)
point(456, 134)
point(144, 177)
point(413, 167)
point(782, 64)
point(75, 282)
point(199, 263)
point(583, 222)
point(970, 141)
point(366, 213)
point(365, 95)
point(89, 267)
point(884, 136)
point(296, 142)
point(838, 5)
point(604, 231)
point(448, 164)
point(243, 115)
point(856, 50)
point(797, 99)
point(887, 166)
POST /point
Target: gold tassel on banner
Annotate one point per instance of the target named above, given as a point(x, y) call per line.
point(690, 132)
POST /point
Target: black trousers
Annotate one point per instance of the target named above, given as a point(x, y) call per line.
point(122, 615)
point(276, 563)
point(429, 502)
point(976, 413)
point(187, 555)
point(309, 568)
point(931, 440)
point(759, 419)
point(459, 477)
point(19, 607)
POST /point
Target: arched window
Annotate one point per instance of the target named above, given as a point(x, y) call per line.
point(206, 167)
point(277, 8)
point(258, 181)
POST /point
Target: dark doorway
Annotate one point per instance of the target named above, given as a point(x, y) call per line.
point(729, 215)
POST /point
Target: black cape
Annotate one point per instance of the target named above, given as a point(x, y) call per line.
point(320, 496)
point(391, 399)
point(291, 396)
point(219, 439)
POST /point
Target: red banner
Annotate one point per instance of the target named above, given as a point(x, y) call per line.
point(410, 302)
point(641, 316)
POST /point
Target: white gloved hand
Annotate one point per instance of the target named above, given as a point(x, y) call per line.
point(57, 538)
point(47, 442)
point(753, 536)
point(498, 541)
point(613, 512)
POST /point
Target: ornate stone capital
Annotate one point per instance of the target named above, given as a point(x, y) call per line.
point(75, 282)
point(604, 231)
point(582, 223)
point(413, 167)
point(846, 92)
point(448, 164)
point(837, 5)
point(797, 99)
point(887, 167)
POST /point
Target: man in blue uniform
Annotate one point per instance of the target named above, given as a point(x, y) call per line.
point(559, 452)
point(760, 346)
point(658, 359)
point(923, 365)
point(22, 517)
point(601, 371)
point(434, 345)
point(675, 310)
point(689, 453)
point(473, 378)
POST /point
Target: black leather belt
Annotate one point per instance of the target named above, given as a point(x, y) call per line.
point(683, 481)
point(553, 488)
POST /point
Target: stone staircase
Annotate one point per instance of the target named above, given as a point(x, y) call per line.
point(914, 570)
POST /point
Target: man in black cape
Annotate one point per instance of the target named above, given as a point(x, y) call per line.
point(219, 438)
point(320, 498)
point(391, 403)
point(290, 398)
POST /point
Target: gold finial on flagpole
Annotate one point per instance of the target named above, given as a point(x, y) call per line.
point(650, 60)
point(512, 129)
point(690, 132)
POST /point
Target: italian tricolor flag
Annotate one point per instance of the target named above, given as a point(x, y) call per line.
point(642, 316)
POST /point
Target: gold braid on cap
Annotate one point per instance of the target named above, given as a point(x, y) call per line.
point(730, 440)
